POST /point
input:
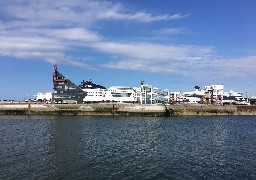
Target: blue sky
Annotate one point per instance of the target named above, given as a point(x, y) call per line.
point(170, 44)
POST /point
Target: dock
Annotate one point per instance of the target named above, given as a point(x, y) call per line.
point(210, 110)
point(123, 109)
point(99, 109)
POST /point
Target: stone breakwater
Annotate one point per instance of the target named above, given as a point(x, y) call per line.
point(124, 110)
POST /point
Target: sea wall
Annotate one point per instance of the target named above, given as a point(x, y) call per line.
point(83, 109)
point(210, 110)
point(102, 109)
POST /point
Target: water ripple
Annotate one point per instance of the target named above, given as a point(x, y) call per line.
point(59, 147)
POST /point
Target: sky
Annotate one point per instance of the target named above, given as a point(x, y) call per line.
point(169, 44)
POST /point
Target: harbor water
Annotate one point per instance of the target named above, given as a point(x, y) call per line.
point(84, 147)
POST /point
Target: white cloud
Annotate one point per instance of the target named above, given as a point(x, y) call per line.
point(150, 51)
point(237, 67)
point(45, 44)
point(140, 16)
point(169, 31)
point(48, 29)
point(157, 58)
point(184, 60)
point(77, 12)
point(78, 34)
point(36, 48)
point(29, 44)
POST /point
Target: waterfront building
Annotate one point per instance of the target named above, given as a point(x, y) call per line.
point(214, 94)
point(44, 97)
point(152, 95)
point(174, 97)
point(193, 97)
point(65, 91)
point(121, 94)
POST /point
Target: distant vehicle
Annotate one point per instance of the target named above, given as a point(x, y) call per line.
point(30, 100)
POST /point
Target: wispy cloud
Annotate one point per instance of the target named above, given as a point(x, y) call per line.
point(157, 58)
point(141, 16)
point(77, 12)
point(169, 31)
point(36, 49)
point(76, 34)
point(237, 67)
point(185, 60)
point(48, 29)
point(150, 51)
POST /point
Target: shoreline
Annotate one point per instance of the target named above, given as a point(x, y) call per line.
point(99, 109)
point(119, 109)
point(211, 110)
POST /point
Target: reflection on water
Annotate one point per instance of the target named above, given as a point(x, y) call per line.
point(73, 147)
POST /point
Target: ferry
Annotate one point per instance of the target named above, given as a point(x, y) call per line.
point(234, 98)
point(97, 93)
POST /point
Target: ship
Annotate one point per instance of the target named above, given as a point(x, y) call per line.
point(115, 94)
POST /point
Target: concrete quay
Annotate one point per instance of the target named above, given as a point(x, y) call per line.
point(210, 110)
point(99, 109)
point(104, 109)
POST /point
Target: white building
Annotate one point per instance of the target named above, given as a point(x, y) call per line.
point(120, 94)
point(215, 93)
point(44, 97)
